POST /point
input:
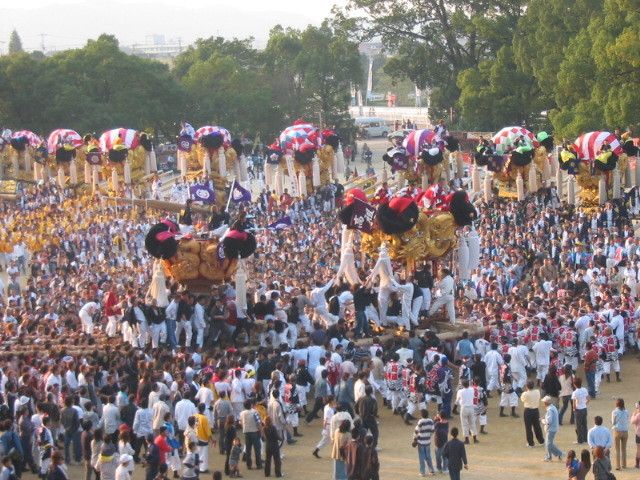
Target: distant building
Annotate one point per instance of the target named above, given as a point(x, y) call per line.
point(156, 47)
point(370, 49)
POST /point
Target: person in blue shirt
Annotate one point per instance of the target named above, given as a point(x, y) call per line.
point(551, 425)
point(572, 463)
point(465, 347)
point(600, 436)
point(620, 427)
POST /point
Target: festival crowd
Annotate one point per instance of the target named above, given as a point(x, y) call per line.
point(95, 372)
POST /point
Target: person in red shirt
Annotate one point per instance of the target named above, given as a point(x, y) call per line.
point(285, 199)
point(232, 315)
point(272, 203)
point(162, 444)
point(590, 367)
point(382, 195)
point(112, 310)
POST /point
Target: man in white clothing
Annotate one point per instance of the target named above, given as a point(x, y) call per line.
point(183, 319)
point(329, 411)
point(206, 397)
point(493, 361)
point(446, 287)
point(320, 303)
point(86, 314)
point(482, 346)
point(465, 399)
point(582, 323)
point(183, 410)
point(237, 396)
point(519, 354)
point(406, 317)
point(197, 321)
point(143, 326)
point(617, 327)
point(542, 350)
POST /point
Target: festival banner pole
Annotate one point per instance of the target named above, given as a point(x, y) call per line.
point(230, 194)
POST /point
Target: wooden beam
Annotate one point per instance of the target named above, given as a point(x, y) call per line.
point(156, 204)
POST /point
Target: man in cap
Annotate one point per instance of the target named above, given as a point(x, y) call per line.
point(551, 425)
point(123, 470)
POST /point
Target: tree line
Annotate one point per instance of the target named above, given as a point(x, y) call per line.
point(566, 65)
point(300, 74)
point(569, 65)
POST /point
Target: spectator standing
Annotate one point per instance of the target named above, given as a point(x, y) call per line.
point(456, 455)
point(551, 425)
point(422, 441)
point(580, 399)
point(620, 427)
point(531, 401)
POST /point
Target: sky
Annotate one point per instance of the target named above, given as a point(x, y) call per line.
point(69, 23)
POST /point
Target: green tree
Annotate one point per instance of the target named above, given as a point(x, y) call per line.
point(432, 41)
point(227, 86)
point(22, 101)
point(496, 94)
point(225, 94)
point(542, 37)
point(203, 48)
point(304, 73)
point(599, 76)
point(103, 87)
point(15, 43)
point(280, 61)
point(90, 89)
point(329, 64)
point(313, 71)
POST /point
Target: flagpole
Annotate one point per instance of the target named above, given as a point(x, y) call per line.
point(230, 195)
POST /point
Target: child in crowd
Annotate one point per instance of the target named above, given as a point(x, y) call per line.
point(190, 462)
point(234, 459)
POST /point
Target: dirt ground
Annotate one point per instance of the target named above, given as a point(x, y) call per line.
point(501, 455)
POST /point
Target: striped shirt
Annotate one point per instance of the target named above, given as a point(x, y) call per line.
point(423, 431)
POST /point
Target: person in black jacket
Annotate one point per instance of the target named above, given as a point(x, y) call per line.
point(185, 215)
point(217, 219)
point(367, 409)
point(304, 380)
point(551, 384)
point(128, 412)
point(272, 440)
point(424, 279)
point(456, 455)
point(361, 300)
point(265, 367)
point(183, 318)
point(57, 471)
point(156, 318)
point(229, 436)
point(70, 421)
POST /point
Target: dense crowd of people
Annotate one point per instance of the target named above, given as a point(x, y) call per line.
point(95, 372)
